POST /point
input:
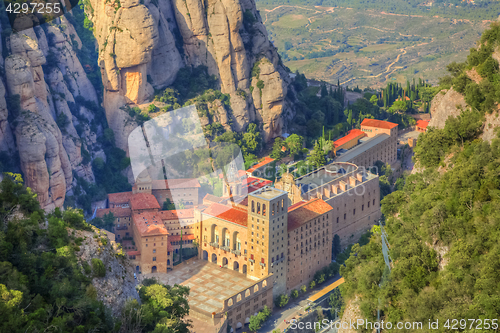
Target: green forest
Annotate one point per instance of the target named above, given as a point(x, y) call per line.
point(443, 224)
point(45, 287)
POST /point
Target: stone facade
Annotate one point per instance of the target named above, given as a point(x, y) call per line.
point(353, 193)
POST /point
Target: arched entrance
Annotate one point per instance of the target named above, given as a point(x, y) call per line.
point(224, 262)
point(205, 255)
point(244, 269)
point(153, 269)
point(236, 266)
point(214, 258)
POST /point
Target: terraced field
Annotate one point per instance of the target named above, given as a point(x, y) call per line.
point(367, 47)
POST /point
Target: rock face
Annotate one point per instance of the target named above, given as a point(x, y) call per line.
point(36, 122)
point(118, 285)
point(443, 106)
point(143, 44)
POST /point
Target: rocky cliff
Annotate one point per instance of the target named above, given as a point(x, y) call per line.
point(49, 121)
point(38, 113)
point(143, 44)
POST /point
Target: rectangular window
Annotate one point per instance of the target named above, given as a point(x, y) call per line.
point(362, 207)
point(337, 220)
point(154, 258)
point(354, 212)
point(345, 216)
point(154, 250)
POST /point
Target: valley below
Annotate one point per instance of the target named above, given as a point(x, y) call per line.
point(367, 48)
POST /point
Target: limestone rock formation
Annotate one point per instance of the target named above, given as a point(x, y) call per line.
point(118, 285)
point(444, 106)
point(144, 44)
point(37, 124)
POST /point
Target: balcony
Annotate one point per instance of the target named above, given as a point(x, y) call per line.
point(225, 248)
point(262, 264)
point(251, 260)
point(121, 228)
point(214, 245)
point(236, 252)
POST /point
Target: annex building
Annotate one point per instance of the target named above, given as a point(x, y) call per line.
point(375, 141)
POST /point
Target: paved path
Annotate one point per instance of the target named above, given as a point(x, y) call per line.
point(294, 309)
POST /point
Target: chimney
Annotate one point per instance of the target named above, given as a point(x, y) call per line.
point(359, 176)
point(343, 185)
point(352, 181)
point(335, 189)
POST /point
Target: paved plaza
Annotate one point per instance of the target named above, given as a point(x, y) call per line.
point(209, 284)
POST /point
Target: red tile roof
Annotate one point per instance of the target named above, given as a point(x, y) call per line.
point(265, 161)
point(167, 215)
point(149, 224)
point(422, 123)
point(231, 214)
point(353, 134)
point(378, 123)
point(175, 183)
point(306, 211)
point(253, 184)
point(134, 253)
point(119, 198)
point(117, 212)
point(178, 238)
point(141, 201)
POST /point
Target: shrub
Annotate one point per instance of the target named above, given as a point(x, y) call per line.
point(98, 267)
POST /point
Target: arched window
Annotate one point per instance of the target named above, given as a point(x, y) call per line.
point(247, 293)
point(264, 283)
point(258, 207)
point(256, 288)
point(230, 302)
point(264, 209)
point(273, 208)
point(253, 206)
point(238, 298)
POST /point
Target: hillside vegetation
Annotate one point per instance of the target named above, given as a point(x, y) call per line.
point(46, 287)
point(443, 226)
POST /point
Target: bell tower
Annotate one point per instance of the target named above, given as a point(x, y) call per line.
point(268, 236)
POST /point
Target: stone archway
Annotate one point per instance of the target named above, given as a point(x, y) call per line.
point(205, 255)
point(236, 266)
point(214, 258)
point(244, 269)
point(153, 269)
point(225, 262)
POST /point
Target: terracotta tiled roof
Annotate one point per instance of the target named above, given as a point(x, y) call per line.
point(119, 198)
point(295, 205)
point(143, 201)
point(230, 214)
point(353, 134)
point(178, 238)
point(252, 184)
point(175, 183)
point(149, 224)
point(422, 123)
point(176, 214)
point(306, 211)
point(266, 160)
point(378, 123)
point(117, 212)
